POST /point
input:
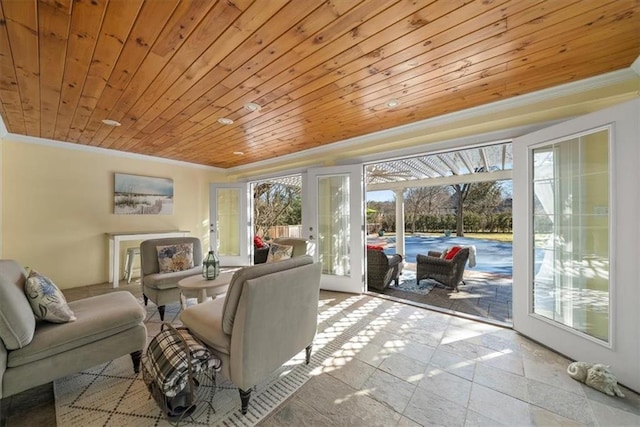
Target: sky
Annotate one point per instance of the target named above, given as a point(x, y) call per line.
point(380, 196)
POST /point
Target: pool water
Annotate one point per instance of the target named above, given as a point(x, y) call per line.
point(492, 256)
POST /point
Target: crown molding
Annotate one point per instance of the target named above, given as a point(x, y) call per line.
point(103, 151)
point(636, 66)
point(3, 129)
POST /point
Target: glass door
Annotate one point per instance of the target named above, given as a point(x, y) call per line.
point(333, 222)
point(230, 222)
point(576, 239)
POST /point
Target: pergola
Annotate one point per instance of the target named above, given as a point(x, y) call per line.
point(491, 162)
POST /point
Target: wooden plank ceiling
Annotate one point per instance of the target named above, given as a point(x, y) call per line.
point(321, 70)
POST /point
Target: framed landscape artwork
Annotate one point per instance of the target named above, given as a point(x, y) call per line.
point(142, 195)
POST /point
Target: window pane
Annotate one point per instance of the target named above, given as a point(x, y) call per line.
point(333, 225)
point(228, 205)
point(571, 233)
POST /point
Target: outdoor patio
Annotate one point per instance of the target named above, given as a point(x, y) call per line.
point(485, 295)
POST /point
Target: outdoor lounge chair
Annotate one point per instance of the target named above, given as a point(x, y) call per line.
point(382, 269)
point(446, 271)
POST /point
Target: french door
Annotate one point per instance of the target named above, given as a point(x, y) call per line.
point(576, 238)
point(229, 227)
point(333, 222)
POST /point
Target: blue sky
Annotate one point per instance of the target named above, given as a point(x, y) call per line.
point(380, 196)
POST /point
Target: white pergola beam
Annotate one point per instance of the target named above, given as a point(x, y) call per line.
point(445, 180)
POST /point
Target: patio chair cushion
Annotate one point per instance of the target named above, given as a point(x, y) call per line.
point(451, 252)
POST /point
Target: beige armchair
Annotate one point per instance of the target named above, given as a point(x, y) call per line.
point(269, 315)
point(162, 288)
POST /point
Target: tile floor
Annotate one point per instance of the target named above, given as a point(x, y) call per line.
point(407, 366)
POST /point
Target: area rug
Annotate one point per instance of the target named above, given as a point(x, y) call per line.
point(111, 395)
point(408, 284)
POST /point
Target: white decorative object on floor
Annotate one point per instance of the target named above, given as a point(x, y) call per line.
point(597, 376)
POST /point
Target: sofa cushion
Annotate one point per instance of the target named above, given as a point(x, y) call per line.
point(176, 257)
point(47, 301)
point(205, 322)
point(169, 280)
point(17, 322)
point(97, 318)
point(279, 252)
point(241, 276)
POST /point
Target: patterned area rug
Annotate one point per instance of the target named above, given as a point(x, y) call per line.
point(111, 395)
point(408, 284)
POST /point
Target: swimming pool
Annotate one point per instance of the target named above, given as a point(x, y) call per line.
point(492, 256)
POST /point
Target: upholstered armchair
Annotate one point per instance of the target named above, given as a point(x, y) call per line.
point(382, 269)
point(449, 272)
point(269, 315)
point(162, 288)
point(299, 248)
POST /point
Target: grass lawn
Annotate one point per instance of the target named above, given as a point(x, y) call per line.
point(502, 237)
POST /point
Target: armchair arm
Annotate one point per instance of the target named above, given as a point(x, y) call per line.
point(434, 253)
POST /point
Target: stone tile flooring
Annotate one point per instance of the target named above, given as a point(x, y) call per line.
point(408, 366)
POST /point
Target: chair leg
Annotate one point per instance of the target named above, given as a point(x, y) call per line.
point(307, 357)
point(244, 398)
point(146, 300)
point(161, 311)
point(136, 356)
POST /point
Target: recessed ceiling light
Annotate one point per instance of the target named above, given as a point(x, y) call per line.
point(392, 103)
point(225, 121)
point(238, 153)
point(251, 106)
point(110, 122)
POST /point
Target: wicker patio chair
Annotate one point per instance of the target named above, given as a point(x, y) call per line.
point(382, 269)
point(446, 271)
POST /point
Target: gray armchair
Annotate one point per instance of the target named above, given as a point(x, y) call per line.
point(447, 272)
point(299, 248)
point(162, 288)
point(269, 315)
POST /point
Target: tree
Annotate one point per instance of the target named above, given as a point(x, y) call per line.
point(381, 215)
point(276, 204)
point(423, 201)
point(460, 194)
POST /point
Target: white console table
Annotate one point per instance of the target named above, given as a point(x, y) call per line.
point(114, 247)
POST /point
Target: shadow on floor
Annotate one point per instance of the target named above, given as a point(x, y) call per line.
point(484, 295)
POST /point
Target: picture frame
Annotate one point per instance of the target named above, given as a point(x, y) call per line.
point(142, 195)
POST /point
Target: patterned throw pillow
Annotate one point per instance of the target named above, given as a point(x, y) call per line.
point(175, 257)
point(279, 252)
point(47, 301)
